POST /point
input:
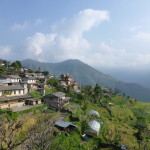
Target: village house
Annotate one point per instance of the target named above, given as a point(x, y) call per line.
point(4, 80)
point(23, 69)
point(13, 78)
point(65, 125)
point(35, 75)
point(66, 79)
point(12, 95)
point(56, 100)
point(33, 101)
point(14, 101)
point(31, 82)
point(13, 90)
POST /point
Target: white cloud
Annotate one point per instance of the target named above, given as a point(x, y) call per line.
point(109, 56)
point(5, 51)
point(81, 22)
point(37, 43)
point(142, 36)
point(18, 26)
point(67, 39)
point(135, 28)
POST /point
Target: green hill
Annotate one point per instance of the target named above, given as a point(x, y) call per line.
point(86, 75)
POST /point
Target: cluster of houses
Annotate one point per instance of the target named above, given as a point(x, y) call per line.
point(67, 80)
point(14, 89)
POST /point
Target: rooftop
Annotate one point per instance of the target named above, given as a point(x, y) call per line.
point(59, 94)
point(14, 98)
point(63, 124)
point(11, 87)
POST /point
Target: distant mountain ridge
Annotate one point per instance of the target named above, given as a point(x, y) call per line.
point(86, 75)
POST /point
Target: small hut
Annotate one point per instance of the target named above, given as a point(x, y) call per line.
point(94, 113)
point(65, 125)
point(93, 128)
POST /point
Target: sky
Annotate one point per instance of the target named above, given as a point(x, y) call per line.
point(102, 33)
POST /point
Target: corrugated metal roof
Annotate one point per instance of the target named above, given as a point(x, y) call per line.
point(62, 123)
point(4, 80)
point(59, 94)
point(29, 78)
point(14, 76)
point(14, 98)
point(93, 112)
point(12, 87)
point(94, 125)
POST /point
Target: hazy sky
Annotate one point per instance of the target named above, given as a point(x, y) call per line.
point(102, 33)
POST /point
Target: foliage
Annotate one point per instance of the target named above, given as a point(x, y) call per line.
point(49, 91)
point(30, 71)
point(36, 94)
point(53, 82)
point(2, 70)
point(16, 65)
point(45, 73)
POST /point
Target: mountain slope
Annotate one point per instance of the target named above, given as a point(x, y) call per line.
point(86, 75)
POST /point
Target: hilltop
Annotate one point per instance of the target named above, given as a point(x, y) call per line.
point(87, 75)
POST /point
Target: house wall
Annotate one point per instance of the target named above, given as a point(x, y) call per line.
point(16, 93)
point(0, 93)
point(25, 86)
point(31, 81)
point(51, 102)
point(11, 104)
point(4, 106)
point(55, 102)
point(39, 102)
point(15, 80)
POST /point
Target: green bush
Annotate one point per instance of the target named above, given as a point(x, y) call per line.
point(36, 94)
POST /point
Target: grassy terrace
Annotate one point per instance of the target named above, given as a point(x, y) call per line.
point(119, 129)
point(129, 125)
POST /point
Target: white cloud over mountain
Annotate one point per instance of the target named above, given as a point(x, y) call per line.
point(67, 40)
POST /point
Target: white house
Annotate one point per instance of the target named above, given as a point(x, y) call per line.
point(13, 78)
point(13, 90)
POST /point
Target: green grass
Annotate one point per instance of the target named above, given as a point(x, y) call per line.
point(118, 129)
point(13, 115)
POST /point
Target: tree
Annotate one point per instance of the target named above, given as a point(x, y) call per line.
point(16, 64)
point(98, 91)
point(53, 82)
point(98, 95)
point(8, 138)
point(45, 73)
point(2, 70)
point(30, 71)
point(69, 89)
